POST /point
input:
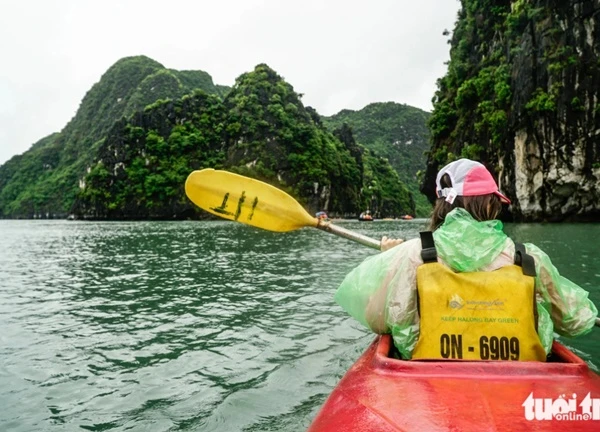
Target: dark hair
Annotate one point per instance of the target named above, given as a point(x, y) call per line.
point(481, 207)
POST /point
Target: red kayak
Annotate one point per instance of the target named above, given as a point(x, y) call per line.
point(383, 394)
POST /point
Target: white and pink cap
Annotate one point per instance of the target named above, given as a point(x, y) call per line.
point(469, 178)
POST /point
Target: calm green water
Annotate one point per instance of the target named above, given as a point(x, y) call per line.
point(203, 326)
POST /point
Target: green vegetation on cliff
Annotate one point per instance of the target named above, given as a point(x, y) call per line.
point(144, 161)
point(261, 129)
point(45, 180)
point(470, 106)
point(273, 136)
point(394, 131)
point(521, 95)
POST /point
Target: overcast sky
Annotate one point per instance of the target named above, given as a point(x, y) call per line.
point(338, 53)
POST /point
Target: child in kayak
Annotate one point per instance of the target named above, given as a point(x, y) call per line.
point(467, 243)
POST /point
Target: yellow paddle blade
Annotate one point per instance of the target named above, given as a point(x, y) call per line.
point(242, 199)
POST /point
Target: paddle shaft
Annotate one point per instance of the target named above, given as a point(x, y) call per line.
point(350, 235)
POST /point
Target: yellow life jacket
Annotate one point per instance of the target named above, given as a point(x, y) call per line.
point(477, 315)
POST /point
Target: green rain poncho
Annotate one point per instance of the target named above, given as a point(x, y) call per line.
point(381, 292)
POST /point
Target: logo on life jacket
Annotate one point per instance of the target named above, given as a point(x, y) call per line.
point(456, 302)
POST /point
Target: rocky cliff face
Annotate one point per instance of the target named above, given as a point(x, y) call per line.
point(42, 183)
point(521, 94)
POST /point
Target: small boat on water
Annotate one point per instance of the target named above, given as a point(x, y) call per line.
point(406, 217)
point(321, 215)
point(384, 394)
point(365, 216)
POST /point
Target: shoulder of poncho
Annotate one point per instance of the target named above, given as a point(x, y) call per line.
point(411, 249)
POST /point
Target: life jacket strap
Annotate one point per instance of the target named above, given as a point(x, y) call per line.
point(428, 251)
point(524, 260)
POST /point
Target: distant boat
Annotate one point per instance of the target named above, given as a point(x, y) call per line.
point(407, 217)
point(365, 217)
point(322, 216)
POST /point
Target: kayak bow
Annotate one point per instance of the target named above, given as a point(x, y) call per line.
point(379, 393)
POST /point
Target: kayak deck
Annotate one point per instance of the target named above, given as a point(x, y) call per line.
point(379, 393)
